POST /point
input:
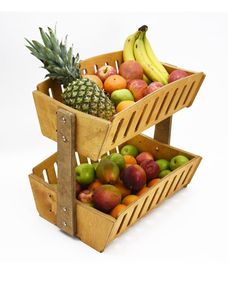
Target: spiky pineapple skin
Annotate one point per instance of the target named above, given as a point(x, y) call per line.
point(84, 95)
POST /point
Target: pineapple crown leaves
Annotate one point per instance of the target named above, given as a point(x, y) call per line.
point(56, 58)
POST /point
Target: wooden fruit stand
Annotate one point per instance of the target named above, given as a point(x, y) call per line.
point(84, 138)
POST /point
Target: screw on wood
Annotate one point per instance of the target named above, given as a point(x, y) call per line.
point(63, 119)
point(64, 209)
point(64, 138)
point(64, 223)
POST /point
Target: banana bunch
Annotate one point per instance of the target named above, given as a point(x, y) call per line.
point(137, 47)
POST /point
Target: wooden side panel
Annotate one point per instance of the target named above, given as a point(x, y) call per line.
point(90, 131)
point(45, 198)
point(93, 227)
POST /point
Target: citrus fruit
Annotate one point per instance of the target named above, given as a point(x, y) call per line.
point(129, 199)
point(94, 185)
point(115, 212)
point(142, 191)
point(124, 105)
point(114, 82)
point(130, 160)
point(153, 182)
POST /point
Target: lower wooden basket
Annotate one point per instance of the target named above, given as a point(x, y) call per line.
point(96, 228)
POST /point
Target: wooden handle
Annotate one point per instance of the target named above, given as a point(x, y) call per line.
point(66, 213)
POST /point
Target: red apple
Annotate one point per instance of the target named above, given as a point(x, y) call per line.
point(176, 75)
point(134, 177)
point(131, 69)
point(105, 71)
point(153, 87)
point(137, 88)
point(143, 156)
point(151, 168)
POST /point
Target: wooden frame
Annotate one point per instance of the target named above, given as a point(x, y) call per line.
point(101, 135)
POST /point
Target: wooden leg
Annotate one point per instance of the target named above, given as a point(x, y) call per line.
point(66, 213)
point(163, 130)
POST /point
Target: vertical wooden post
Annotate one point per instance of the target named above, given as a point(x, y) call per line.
point(162, 131)
point(66, 213)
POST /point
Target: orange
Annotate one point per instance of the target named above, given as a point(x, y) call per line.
point(143, 190)
point(130, 160)
point(124, 191)
point(94, 185)
point(123, 105)
point(153, 182)
point(114, 82)
point(129, 199)
point(115, 212)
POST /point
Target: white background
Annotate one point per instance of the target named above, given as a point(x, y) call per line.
point(180, 252)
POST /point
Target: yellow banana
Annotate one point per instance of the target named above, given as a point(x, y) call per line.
point(128, 53)
point(141, 56)
point(153, 58)
point(146, 79)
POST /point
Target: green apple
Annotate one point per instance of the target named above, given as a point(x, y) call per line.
point(119, 95)
point(164, 173)
point(163, 164)
point(178, 161)
point(129, 150)
point(85, 174)
point(118, 159)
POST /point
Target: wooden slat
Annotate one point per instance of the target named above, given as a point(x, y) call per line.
point(66, 213)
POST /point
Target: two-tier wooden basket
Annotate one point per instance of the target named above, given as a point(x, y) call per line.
point(85, 138)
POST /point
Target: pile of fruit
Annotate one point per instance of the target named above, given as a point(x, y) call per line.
point(120, 178)
point(109, 91)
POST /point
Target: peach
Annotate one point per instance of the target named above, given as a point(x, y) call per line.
point(131, 69)
point(107, 171)
point(137, 87)
point(106, 197)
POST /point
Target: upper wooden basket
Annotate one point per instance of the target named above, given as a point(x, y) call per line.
point(96, 136)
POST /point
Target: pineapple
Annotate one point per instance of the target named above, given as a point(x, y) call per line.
point(79, 93)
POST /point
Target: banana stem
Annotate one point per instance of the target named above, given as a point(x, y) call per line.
point(143, 28)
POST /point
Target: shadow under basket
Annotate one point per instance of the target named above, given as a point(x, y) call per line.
point(101, 135)
point(94, 227)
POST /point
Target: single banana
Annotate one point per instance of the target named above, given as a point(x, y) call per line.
point(128, 53)
point(153, 58)
point(141, 56)
point(147, 80)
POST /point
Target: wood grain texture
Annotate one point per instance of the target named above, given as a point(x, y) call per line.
point(100, 135)
point(66, 213)
point(162, 130)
